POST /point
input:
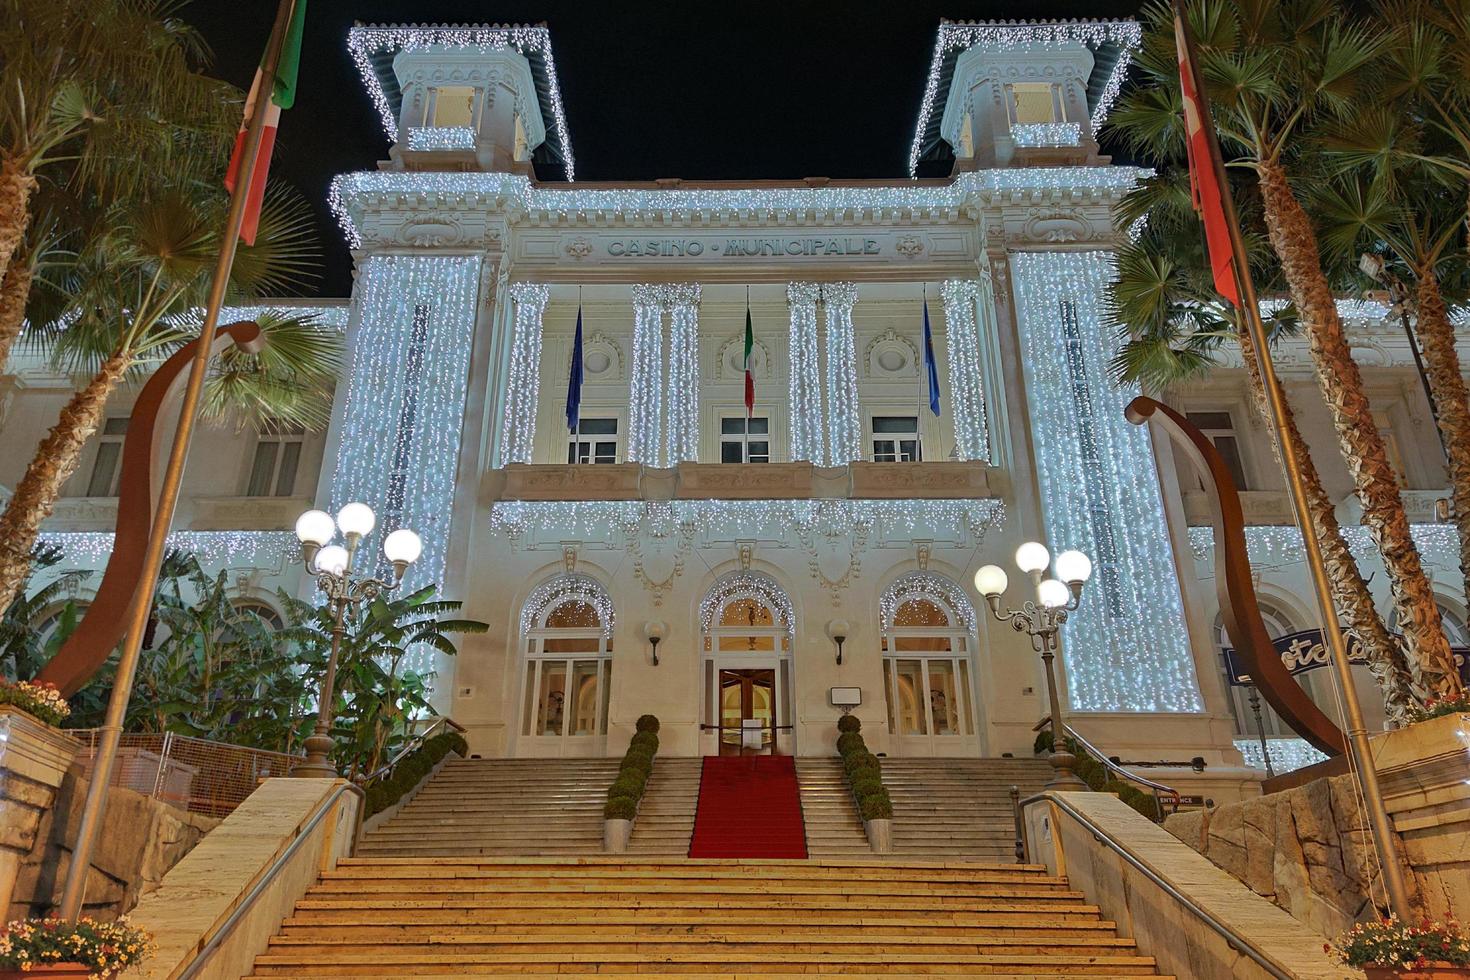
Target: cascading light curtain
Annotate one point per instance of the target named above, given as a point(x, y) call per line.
point(967, 393)
point(404, 406)
point(805, 384)
point(682, 441)
point(645, 400)
point(523, 387)
point(843, 424)
point(1127, 646)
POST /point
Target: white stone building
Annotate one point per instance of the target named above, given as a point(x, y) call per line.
point(843, 505)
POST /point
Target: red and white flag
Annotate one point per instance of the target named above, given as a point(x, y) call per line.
point(1203, 181)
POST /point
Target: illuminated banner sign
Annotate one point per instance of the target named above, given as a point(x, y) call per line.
point(681, 247)
point(1304, 651)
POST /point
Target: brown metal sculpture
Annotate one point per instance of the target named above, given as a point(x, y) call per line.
point(1234, 584)
point(143, 455)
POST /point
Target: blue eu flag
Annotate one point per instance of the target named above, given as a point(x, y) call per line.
point(574, 383)
point(929, 366)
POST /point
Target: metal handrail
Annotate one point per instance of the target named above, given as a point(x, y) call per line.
point(1160, 791)
point(1238, 943)
point(264, 881)
point(412, 745)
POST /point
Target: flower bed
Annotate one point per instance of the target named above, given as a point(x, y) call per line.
point(1390, 948)
point(43, 700)
point(97, 949)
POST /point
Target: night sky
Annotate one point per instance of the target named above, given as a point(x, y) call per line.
point(698, 90)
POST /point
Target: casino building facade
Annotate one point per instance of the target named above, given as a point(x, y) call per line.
point(677, 554)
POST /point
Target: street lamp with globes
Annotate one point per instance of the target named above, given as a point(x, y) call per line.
point(1041, 619)
point(332, 566)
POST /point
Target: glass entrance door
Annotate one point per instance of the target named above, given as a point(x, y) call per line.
point(747, 723)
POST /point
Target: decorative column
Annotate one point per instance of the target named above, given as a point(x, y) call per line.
point(523, 385)
point(843, 426)
point(681, 443)
point(806, 381)
point(646, 386)
point(967, 394)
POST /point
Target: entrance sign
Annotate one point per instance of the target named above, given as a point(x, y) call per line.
point(845, 697)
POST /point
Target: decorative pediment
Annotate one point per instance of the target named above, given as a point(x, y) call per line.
point(889, 357)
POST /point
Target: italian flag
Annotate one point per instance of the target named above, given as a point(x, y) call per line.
point(283, 94)
point(749, 378)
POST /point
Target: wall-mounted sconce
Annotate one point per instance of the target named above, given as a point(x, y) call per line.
point(838, 630)
point(654, 632)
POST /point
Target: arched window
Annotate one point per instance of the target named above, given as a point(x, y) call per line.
point(747, 621)
point(927, 626)
point(269, 617)
point(566, 627)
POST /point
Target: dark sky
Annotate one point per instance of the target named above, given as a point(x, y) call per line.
point(698, 90)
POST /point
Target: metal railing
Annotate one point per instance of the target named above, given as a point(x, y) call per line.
point(193, 774)
point(440, 724)
point(1237, 941)
point(1159, 791)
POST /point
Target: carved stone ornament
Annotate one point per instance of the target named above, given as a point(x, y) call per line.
point(1056, 225)
point(909, 246)
point(578, 248)
point(431, 231)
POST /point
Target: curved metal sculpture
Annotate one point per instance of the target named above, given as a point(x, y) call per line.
point(1234, 585)
point(143, 456)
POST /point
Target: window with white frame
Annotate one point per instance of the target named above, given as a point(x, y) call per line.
point(454, 105)
point(926, 670)
point(1034, 102)
point(745, 440)
point(107, 466)
point(277, 459)
point(1219, 428)
point(595, 441)
point(568, 672)
point(896, 439)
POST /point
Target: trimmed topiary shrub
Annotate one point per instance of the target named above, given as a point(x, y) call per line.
point(620, 808)
point(639, 758)
point(861, 761)
point(849, 723)
point(866, 782)
point(644, 740)
point(864, 771)
point(849, 742)
point(1098, 778)
point(647, 723)
point(876, 805)
point(627, 789)
point(387, 790)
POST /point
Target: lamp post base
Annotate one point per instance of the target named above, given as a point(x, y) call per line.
point(1062, 776)
point(317, 764)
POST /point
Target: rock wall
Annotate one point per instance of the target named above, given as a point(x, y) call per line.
point(1307, 849)
point(141, 839)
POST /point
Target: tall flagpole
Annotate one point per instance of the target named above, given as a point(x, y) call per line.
point(1332, 636)
point(168, 497)
point(749, 409)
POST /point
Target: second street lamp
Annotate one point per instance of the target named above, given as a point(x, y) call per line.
point(332, 566)
point(1041, 619)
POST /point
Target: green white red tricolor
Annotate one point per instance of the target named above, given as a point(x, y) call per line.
point(283, 94)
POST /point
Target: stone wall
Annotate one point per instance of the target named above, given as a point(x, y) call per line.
point(141, 839)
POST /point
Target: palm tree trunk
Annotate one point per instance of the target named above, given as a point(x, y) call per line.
point(1442, 364)
point(15, 289)
point(1341, 383)
point(1350, 593)
point(56, 459)
point(16, 186)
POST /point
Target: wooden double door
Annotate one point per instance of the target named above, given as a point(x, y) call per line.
point(747, 720)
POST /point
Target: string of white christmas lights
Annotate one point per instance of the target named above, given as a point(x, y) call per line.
point(805, 381)
point(523, 388)
point(924, 585)
point(746, 584)
point(1275, 545)
point(1127, 34)
point(567, 587)
point(363, 41)
point(404, 406)
point(351, 193)
point(1287, 754)
point(214, 549)
point(645, 405)
point(844, 424)
point(441, 138)
point(967, 395)
point(1046, 134)
point(1127, 646)
point(682, 443)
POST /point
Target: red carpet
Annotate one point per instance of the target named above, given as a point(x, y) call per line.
point(749, 807)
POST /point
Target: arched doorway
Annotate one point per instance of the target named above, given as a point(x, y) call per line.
point(747, 622)
point(566, 640)
point(927, 626)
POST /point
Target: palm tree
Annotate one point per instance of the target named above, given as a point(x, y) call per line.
point(1274, 71)
point(1165, 305)
point(96, 94)
point(129, 299)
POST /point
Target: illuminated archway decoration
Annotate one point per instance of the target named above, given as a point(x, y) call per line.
point(571, 587)
point(925, 585)
point(747, 585)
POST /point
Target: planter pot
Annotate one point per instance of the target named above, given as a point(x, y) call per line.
point(615, 834)
point(53, 970)
point(1434, 971)
point(880, 835)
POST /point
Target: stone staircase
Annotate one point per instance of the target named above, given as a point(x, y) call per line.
point(501, 807)
point(958, 809)
point(833, 826)
point(456, 917)
point(666, 818)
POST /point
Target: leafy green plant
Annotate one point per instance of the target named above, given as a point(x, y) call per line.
point(848, 741)
point(24, 649)
point(876, 805)
point(1391, 943)
point(627, 788)
point(1439, 707)
point(387, 790)
point(108, 948)
point(645, 740)
point(646, 723)
point(849, 723)
point(1099, 779)
point(620, 808)
point(864, 772)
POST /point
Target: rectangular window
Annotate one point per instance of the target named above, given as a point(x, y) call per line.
point(1219, 428)
point(1034, 102)
point(896, 439)
point(551, 705)
point(107, 468)
point(595, 441)
point(454, 105)
point(739, 445)
point(909, 686)
point(277, 458)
